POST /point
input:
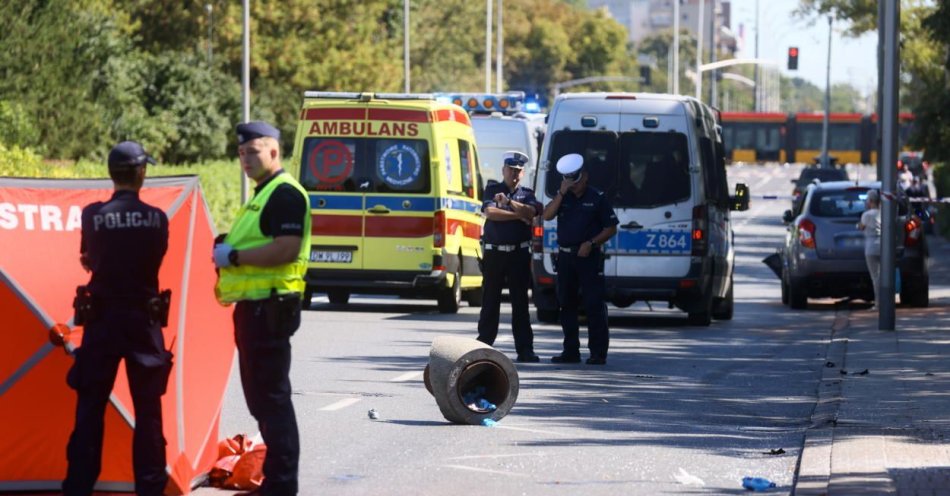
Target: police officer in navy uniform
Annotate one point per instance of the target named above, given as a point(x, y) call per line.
point(585, 221)
point(123, 243)
point(509, 209)
point(261, 265)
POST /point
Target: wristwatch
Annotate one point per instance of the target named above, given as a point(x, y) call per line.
point(233, 258)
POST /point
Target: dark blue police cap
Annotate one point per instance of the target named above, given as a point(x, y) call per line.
point(129, 154)
point(246, 131)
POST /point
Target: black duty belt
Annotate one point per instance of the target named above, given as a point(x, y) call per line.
point(489, 246)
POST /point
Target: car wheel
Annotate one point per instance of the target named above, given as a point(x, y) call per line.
point(784, 292)
point(723, 308)
point(474, 297)
point(450, 299)
point(338, 296)
point(797, 296)
point(916, 293)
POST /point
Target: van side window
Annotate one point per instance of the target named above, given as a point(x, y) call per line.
point(654, 170)
point(712, 176)
point(365, 164)
point(599, 150)
point(467, 167)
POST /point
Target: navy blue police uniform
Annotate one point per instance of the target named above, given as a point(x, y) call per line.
point(506, 257)
point(579, 219)
point(264, 354)
point(123, 243)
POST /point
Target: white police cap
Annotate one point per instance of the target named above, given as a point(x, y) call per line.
point(514, 159)
point(570, 164)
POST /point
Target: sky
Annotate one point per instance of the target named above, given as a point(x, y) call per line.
point(852, 59)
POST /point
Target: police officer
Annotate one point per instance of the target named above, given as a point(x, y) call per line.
point(123, 242)
point(262, 262)
point(585, 221)
point(509, 209)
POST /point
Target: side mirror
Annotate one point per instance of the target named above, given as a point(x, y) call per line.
point(741, 199)
point(787, 217)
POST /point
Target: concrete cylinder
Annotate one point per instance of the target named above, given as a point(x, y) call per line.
point(457, 367)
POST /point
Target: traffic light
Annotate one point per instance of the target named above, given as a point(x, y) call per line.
point(793, 58)
point(645, 75)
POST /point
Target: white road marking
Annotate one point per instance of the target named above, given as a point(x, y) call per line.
point(522, 429)
point(485, 470)
point(509, 455)
point(339, 405)
point(408, 376)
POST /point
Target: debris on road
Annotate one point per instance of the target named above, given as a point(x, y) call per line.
point(757, 483)
point(779, 451)
point(373, 414)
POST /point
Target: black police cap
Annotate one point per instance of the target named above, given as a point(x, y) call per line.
point(246, 131)
point(129, 154)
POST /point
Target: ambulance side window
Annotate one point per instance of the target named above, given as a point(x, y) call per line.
point(400, 166)
point(328, 164)
point(468, 171)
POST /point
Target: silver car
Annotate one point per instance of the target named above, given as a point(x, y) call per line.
point(823, 256)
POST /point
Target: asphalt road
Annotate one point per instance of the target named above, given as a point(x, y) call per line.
point(677, 409)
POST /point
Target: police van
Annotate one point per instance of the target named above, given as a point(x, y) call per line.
point(395, 197)
point(660, 160)
point(503, 122)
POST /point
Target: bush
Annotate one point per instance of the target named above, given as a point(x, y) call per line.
point(16, 126)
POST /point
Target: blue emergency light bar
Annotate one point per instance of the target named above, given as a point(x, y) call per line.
point(507, 103)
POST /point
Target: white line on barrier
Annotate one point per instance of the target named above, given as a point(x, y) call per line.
point(408, 376)
point(339, 405)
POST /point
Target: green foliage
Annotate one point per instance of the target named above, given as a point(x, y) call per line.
point(16, 126)
point(16, 161)
point(932, 109)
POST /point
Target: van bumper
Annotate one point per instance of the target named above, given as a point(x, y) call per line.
point(377, 282)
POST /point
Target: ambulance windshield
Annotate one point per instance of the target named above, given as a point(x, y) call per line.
point(367, 165)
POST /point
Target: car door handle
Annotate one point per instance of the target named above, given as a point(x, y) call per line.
point(379, 209)
point(632, 225)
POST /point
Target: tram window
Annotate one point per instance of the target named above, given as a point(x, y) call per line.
point(843, 136)
point(768, 139)
point(745, 138)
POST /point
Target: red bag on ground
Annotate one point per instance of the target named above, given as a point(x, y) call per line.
point(240, 463)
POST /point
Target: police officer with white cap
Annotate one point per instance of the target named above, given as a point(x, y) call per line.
point(509, 209)
point(585, 221)
point(261, 265)
point(123, 243)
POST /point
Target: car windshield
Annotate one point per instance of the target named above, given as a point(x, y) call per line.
point(366, 165)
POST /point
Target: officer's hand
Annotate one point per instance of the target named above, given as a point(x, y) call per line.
point(501, 199)
point(84, 261)
point(221, 252)
point(566, 185)
point(584, 249)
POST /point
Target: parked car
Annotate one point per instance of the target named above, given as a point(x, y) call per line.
point(823, 255)
point(809, 175)
point(914, 162)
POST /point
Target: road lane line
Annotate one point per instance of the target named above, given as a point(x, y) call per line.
point(508, 455)
point(485, 470)
point(408, 376)
point(339, 405)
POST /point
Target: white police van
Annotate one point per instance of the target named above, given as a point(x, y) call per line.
point(503, 122)
point(661, 162)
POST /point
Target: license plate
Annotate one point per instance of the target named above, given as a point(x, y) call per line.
point(320, 256)
point(852, 242)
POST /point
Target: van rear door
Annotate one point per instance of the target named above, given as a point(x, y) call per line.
point(653, 201)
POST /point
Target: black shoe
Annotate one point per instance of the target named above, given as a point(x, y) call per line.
point(597, 360)
point(564, 358)
point(528, 358)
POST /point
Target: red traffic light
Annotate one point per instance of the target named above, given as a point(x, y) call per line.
point(793, 51)
point(792, 58)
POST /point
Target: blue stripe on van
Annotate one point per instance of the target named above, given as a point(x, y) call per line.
point(402, 203)
point(646, 242)
point(457, 204)
point(334, 202)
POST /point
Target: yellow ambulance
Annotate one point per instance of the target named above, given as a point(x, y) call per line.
point(395, 194)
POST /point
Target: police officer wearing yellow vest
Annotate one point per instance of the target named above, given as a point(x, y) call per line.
point(123, 243)
point(585, 221)
point(261, 265)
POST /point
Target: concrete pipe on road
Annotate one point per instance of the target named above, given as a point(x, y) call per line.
point(462, 368)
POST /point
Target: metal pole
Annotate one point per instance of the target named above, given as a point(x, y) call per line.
point(879, 104)
point(488, 46)
point(889, 150)
point(676, 47)
point(699, 51)
point(713, 56)
point(755, 76)
point(246, 84)
point(405, 46)
point(501, 47)
point(209, 8)
point(825, 161)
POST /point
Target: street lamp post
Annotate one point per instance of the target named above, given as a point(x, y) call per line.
point(699, 51)
point(488, 46)
point(209, 8)
point(501, 46)
point(405, 45)
point(825, 162)
point(246, 83)
point(676, 47)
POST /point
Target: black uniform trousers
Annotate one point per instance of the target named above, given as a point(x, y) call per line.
point(264, 360)
point(515, 267)
point(586, 275)
point(118, 331)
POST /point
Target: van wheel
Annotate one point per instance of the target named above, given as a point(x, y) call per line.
point(474, 297)
point(784, 292)
point(338, 296)
point(548, 315)
point(451, 298)
point(306, 301)
point(916, 294)
point(722, 310)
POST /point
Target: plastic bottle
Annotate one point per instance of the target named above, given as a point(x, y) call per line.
point(757, 483)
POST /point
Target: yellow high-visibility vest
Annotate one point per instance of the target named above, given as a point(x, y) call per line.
point(247, 282)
